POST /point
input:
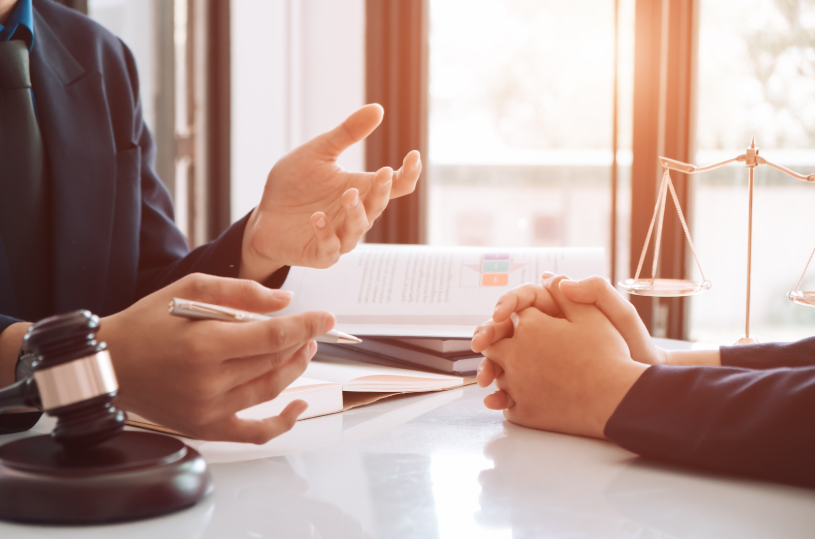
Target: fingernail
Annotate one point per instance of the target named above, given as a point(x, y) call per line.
point(312, 348)
point(416, 164)
point(321, 223)
point(355, 201)
point(480, 368)
point(329, 322)
point(515, 319)
point(282, 294)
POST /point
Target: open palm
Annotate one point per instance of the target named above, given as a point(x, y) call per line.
point(312, 211)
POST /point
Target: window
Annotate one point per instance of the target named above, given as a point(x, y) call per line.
point(756, 78)
point(521, 99)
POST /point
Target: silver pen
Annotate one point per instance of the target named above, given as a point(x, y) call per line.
point(206, 311)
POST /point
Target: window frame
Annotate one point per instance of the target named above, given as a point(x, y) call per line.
point(666, 36)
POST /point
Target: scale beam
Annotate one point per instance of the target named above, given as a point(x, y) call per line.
point(687, 168)
point(788, 172)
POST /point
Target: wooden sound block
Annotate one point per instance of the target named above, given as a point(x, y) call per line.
point(132, 476)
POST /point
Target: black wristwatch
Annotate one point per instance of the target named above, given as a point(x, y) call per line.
point(25, 365)
point(20, 421)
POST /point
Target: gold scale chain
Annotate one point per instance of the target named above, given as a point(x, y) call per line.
point(665, 185)
point(801, 280)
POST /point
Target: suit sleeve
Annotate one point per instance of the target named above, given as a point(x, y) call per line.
point(6, 321)
point(164, 256)
point(770, 355)
point(757, 423)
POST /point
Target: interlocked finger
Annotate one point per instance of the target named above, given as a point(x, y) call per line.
point(489, 333)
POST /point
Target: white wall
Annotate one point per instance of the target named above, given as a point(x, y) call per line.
point(298, 69)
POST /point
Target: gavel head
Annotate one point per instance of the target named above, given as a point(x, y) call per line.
point(75, 378)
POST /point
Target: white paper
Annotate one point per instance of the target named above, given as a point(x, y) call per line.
point(322, 396)
point(348, 374)
point(427, 291)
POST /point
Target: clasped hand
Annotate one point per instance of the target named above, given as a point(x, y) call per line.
point(563, 355)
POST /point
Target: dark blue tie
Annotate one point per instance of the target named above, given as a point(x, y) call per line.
point(24, 199)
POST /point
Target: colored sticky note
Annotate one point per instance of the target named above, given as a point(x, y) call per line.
point(496, 256)
point(495, 279)
point(495, 266)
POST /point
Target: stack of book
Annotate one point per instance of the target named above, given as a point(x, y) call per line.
point(445, 355)
point(418, 305)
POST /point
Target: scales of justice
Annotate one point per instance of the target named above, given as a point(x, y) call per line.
point(671, 288)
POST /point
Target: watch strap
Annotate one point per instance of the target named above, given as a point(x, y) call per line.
point(20, 421)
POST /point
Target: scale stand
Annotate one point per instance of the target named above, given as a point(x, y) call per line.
point(670, 288)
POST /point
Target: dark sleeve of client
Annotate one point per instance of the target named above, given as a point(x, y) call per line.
point(757, 422)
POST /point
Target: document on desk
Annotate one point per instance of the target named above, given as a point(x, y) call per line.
point(334, 385)
point(427, 291)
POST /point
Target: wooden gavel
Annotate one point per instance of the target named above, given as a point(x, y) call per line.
point(89, 470)
point(73, 380)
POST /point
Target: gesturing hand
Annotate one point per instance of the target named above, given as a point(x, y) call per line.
point(312, 211)
point(194, 375)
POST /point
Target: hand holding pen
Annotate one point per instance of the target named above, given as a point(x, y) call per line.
point(206, 311)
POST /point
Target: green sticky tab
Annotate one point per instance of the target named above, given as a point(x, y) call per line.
point(495, 266)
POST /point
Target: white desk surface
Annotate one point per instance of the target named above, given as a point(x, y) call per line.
point(443, 466)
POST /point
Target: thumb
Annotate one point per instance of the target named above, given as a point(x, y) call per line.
point(620, 312)
point(354, 129)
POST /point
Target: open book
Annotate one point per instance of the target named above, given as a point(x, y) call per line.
point(427, 291)
point(336, 385)
point(421, 303)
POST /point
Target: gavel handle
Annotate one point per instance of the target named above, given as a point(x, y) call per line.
point(23, 393)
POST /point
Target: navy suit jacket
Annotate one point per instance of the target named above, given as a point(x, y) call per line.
point(114, 236)
point(753, 416)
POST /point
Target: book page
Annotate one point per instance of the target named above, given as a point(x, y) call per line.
point(304, 385)
point(354, 376)
point(415, 290)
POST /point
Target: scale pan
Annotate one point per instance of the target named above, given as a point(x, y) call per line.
point(664, 288)
point(803, 298)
